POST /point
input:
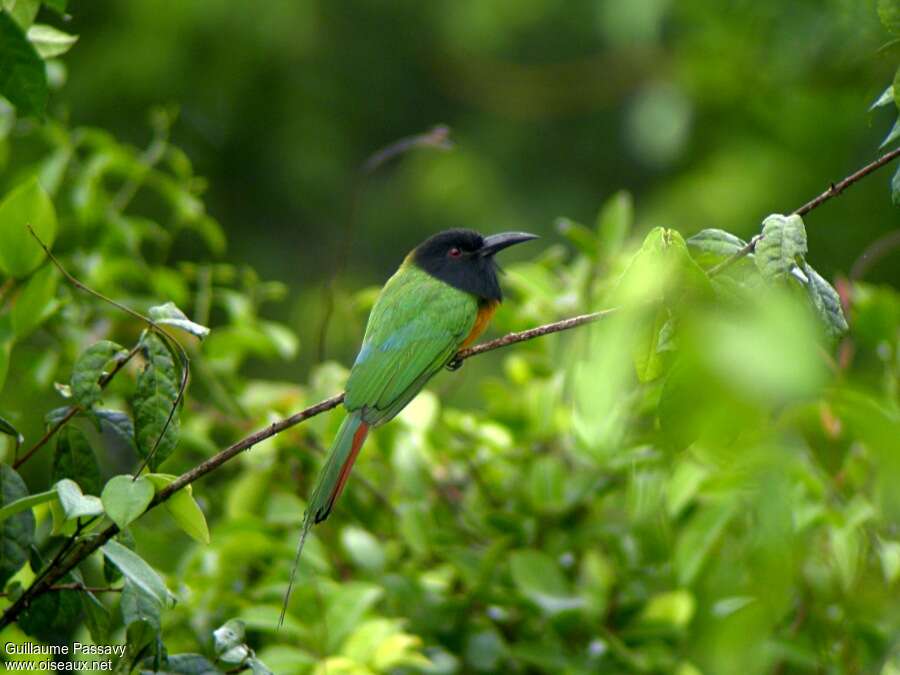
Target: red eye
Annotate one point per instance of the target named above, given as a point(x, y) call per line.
point(454, 252)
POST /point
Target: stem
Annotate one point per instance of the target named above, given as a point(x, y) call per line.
point(85, 547)
point(833, 191)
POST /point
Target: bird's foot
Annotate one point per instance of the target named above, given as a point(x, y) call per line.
point(455, 363)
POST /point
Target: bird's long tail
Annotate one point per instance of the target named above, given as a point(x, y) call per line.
point(332, 478)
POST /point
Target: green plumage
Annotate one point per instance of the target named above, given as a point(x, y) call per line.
point(416, 326)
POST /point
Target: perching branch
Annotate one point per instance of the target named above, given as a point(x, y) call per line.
point(85, 547)
point(833, 191)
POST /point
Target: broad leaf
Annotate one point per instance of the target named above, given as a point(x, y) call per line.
point(96, 617)
point(782, 246)
point(37, 302)
point(712, 246)
point(52, 614)
point(74, 503)
point(614, 222)
point(75, 459)
point(119, 425)
point(88, 370)
point(25, 503)
point(125, 499)
point(138, 571)
point(17, 530)
point(25, 205)
point(169, 315)
point(183, 508)
point(698, 538)
point(827, 302)
point(23, 80)
point(49, 41)
point(155, 395)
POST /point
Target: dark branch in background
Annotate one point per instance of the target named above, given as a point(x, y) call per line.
point(438, 138)
point(873, 253)
point(833, 191)
point(85, 547)
point(73, 555)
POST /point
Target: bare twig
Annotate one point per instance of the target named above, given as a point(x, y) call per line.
point(873, 253)
point(87, 546)
point(833, 191)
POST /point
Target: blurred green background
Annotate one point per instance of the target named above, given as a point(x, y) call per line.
point(712, 114)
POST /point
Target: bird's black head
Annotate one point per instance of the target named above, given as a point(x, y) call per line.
point(465, 260)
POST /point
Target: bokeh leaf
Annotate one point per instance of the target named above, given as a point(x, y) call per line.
point(22, 77)
point(25, 205)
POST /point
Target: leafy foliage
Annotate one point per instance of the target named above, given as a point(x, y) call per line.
point(702, 482)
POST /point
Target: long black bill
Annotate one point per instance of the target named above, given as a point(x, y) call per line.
point(498, 242)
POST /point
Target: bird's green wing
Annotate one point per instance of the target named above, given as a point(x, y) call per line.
point(414, 329)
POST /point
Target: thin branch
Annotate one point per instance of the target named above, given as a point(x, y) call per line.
point(75, 586)
point(833, 191)
point(837, 188)
point(74, 410)
point(87, 546)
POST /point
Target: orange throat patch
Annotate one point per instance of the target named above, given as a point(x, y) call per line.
point(486, 310)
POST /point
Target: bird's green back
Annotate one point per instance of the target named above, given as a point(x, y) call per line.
point(414, 329)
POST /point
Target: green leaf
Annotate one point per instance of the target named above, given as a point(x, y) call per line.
point(23, 80)
point(17, 529)
point(886, 97)
point(645, 350)
point(96, 617)
point(10, 430)
point(782, 246)
point(155, 395)
point(673, 608)
point(25, 503)
point(74, 503)
point(363, 548)
point(119, 425)
point(141, 614)
point(547, 485)
point(22, 11)
point(712, 246)
point(125, 499)
point(49, 41)
point(138, 571)
point(37, 302)
point(826, 301)
point(614, 222)
point(169, 315)
point(52, 614)
point(183, 508)
point(346, 607)
point(537, 577)
point(25, 205)
point(75, 459)
point(698, 538)
point(88, 370)
point(579, 235)
point(889, 13)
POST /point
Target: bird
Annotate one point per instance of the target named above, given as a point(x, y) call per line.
point(439, 301)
